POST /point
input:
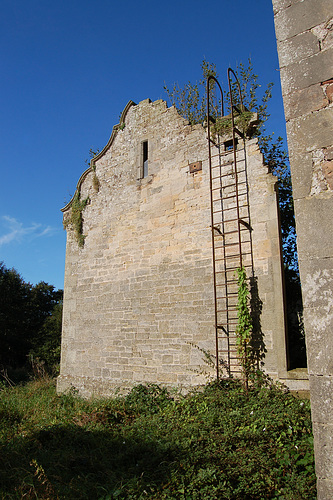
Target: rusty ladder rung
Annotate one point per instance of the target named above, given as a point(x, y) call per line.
point(229, 185)
point(232, 256)
point(226, 153)
point(228, 210)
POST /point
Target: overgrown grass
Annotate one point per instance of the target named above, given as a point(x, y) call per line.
point(220, 443)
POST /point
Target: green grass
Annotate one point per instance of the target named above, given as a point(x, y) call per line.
point(220, 443)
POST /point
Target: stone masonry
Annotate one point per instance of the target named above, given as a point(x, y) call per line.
point(138, 298)
point(304, 32)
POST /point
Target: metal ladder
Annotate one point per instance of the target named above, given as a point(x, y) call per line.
point(231, 229)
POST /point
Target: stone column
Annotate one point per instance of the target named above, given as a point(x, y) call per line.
point(305, 46)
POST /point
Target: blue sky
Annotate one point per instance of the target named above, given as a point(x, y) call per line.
point(68, 70)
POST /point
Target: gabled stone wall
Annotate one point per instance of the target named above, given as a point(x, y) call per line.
point(138, 301)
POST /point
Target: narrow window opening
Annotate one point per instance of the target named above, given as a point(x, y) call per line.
point(229, 146)
point(145, 159)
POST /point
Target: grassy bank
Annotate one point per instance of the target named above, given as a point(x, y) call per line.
point(220, 443)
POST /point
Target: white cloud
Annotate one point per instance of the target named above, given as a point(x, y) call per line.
point(13, 230)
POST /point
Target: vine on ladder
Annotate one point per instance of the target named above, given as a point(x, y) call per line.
point(244, 326)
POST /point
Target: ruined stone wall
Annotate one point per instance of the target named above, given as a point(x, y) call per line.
point(305, 47)
point(141, 288)
point(138, 298)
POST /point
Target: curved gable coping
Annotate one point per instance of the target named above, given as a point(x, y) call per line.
point(101, 153)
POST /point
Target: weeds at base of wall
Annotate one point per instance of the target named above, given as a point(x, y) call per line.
point(244, 331)
point(208, 369)
point(219, 442)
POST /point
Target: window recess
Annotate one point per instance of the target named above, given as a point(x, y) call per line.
point(229, 145)
point(144, 159)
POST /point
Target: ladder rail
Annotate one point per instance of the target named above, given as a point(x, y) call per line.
point(230, 225)
point(210, 80)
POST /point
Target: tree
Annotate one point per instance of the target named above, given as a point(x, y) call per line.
point(45, 324)
point(46, 346)
point(190, 100)
point(14, 319)
point(25, 317)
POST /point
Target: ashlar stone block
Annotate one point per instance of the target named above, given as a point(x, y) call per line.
point(297, 48)
point(304, 101)
point(323, 445)
point(309, 71)
point(301, 16)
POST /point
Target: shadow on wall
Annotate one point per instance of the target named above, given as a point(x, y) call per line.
point(296, 349)
point(257, 343)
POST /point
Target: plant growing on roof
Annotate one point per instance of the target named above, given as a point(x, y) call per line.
point(190, 101)
point(223, 124)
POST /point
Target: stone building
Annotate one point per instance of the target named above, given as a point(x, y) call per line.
point(305, 47)
point(139, 291)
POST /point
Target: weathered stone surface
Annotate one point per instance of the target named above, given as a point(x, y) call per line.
point(297, 48)
point(329, 91)
point(316, 125)
point(322, 400)
point(301, 174)
point(329, 153)
point(312, 172)
point(324, 489)
point(283, 4)
point(317, 287)
point(304, 101)
point(324, 33)
point(310, 231)
point(301, 17)
point(323, 444)
point(322, 175)
point(310, 71)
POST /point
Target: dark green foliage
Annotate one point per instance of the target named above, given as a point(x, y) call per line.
point(29, 316)
point(46, 346)
point(15, 317)
point(149, 398)
point(220, 443)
